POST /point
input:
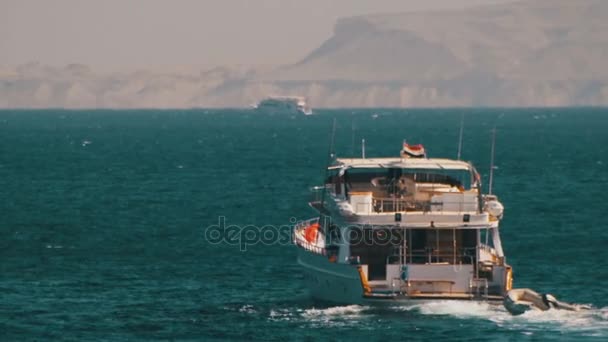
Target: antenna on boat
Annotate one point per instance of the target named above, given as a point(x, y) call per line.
point(363, 148)
point(352, 141)
point(492, 160)
point(330, 156)
point(460, 136)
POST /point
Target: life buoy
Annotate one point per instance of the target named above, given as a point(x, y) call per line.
point(310, 233)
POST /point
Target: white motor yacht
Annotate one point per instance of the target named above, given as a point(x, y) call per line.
point(403, 229)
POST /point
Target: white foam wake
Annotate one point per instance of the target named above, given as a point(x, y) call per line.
point(341, 311)
point(337, 315)
point(459, 309)
point(349, 315)
point(590, 322)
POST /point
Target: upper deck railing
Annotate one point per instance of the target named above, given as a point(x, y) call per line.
point(317, 193)
point(392, 205)
point(464, 256)
point(370, 202)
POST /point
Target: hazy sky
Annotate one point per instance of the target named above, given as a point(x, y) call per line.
point(128, 33)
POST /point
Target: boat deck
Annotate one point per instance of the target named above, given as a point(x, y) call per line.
point(375, 294)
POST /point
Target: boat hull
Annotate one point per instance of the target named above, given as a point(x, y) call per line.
point(293, 105)
point(340, 283)
point(330, 282)
point(518, 308)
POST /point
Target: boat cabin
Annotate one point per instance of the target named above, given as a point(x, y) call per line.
point(386, 186)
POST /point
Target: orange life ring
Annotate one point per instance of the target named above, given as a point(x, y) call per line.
point(310, 233)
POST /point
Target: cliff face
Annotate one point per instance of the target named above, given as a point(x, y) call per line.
point(529, 53)
point(547, 40)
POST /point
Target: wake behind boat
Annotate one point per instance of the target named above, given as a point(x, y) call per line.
point(403, 229)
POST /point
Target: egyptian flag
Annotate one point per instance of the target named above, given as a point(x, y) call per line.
point(413, 151)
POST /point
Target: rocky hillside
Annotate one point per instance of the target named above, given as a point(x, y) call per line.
point(528, 53)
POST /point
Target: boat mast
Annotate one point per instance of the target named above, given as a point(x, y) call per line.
point(460, 136)
point(352, 140)
point(330, 155)
point(492, 160)
point(363, 148)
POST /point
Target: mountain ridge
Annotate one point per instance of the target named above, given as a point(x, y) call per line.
point(527, 53)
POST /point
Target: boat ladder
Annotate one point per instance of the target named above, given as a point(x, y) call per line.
point(476, 284)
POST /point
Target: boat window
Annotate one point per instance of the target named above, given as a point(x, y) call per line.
point(375, 247)
point(441, 246)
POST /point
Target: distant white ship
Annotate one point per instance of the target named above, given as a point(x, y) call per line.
point(284, 104)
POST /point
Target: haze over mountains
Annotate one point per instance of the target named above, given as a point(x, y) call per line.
point(529, 53)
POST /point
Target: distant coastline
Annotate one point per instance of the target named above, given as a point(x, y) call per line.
point(519, 54)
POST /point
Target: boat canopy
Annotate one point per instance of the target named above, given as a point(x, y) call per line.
point(401, 163)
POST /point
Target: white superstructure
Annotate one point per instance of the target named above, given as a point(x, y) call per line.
point(285, 104)
point(403, 229)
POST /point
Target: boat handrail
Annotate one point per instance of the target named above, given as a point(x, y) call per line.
point(391, 205)
point(299, 239)
point(317, 191)
point(309, 246)
point(431, 256)
point(477, 284)
point(306, 223)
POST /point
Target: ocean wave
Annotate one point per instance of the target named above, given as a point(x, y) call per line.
point(281, 314)
point(338, 316)
point(331, 316)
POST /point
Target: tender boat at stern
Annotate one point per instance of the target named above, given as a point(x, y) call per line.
point(519, 301)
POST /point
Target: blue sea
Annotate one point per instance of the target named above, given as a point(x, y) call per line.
point(104, 218)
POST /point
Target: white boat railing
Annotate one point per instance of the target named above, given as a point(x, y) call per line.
point(391, 205)
point(300, 240)
point(462, 256)
point(317, 192)
point(477, 284)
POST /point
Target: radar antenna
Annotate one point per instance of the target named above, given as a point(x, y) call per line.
point(460, 136)
point(330, 156)
point(492, 160)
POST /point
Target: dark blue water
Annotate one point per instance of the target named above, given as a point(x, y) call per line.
point(104, 214)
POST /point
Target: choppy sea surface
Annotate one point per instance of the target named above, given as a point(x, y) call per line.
point(104, 217)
